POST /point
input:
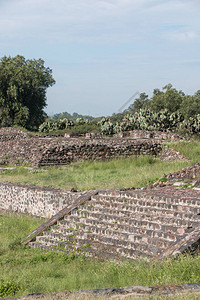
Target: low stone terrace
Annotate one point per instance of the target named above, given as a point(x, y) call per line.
point(21, 148)
point(151, 223)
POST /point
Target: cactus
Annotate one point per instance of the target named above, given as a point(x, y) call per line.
point(51, 125)
point(145, 119)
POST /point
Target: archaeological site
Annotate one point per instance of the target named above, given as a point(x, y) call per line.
point(152, 222)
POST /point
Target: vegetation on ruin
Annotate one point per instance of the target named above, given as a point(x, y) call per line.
point(116, 173)
point(25, 271)
point(146, 119)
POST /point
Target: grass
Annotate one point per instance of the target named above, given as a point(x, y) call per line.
point(190, 296)
point(25, 271)
point(191, 150)
point(117, 173)
point(34, 270)
point(126, 172)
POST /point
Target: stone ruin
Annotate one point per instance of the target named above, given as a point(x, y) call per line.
point(18, 147)
point(152, 223)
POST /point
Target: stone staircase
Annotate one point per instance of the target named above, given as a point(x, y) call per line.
point(129, 224)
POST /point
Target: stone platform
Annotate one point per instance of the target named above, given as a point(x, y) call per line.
point(153, 224)
point(18, 147)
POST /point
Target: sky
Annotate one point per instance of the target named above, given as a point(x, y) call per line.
point(101, 52)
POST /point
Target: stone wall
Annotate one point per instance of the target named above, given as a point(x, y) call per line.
point(39, 201)
point(77, 149)
point(191, 172)
point(145, 134)
point(18, 148)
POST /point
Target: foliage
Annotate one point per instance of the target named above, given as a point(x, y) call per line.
point(169, 99)
point(51, 125)
point(190, 105)
point(74, 116)
point(23, 85)
point(139, 103)
point(79, 125)
point(8, 288)
point(107, 127)
point(117, 117)
point(191, 126)
point(145, 119)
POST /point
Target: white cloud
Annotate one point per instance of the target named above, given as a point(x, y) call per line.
point(183, 36)
point(78, 19)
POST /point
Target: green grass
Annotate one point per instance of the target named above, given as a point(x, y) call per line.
point(127, 172)
point(34, 270)
point(25, 270)
point(117, 173)
point(191, 150)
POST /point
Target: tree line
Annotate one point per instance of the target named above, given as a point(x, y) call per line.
point(169, 99)
point(23, 86)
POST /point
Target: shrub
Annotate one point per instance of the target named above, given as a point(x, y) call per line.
point(146, 119)
point(8, 288)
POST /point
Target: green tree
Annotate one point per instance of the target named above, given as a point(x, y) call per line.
point(139, 103)
point(190, 105)
point(23, 85)
point(169, 98)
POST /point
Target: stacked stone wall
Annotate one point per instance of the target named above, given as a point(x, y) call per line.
point(191, 172)
point(39, 201)
point(145, 134)
point(18, 148)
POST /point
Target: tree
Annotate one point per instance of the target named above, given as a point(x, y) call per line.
point(23, 85)
point(190, 105)
point(139, 103)
point(169, 99)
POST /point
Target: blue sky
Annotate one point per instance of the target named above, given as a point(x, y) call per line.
point(103, 51)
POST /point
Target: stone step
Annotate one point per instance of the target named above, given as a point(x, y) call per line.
point(174, 218)
point(145, 203)
point(79, 250)
point(143, 227)
point(84, 229)
point(166, 194)
point(145, 222)
point(130, 224)
point(95, 247)
point(153, 209)
point(129, 241)
point(149, 200)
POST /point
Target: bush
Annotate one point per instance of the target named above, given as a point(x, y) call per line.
point(8, 288)
point(61, 126)
point(52, 125)
point(146, 119)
